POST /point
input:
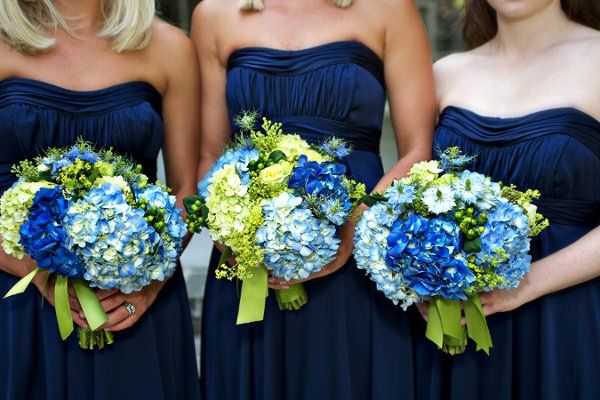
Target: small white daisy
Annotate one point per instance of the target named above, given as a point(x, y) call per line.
point(439, 199)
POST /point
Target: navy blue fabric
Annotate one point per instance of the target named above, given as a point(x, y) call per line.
point(548, 349)
point(349, 341)
point(155, 358)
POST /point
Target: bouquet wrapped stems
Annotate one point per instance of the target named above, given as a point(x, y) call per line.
point(94, 313)
point(444, 327)
point(293, 298)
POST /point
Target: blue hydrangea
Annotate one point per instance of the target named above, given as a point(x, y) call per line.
point(427, 254)
point(113, 239)
point(73, 154)
point(43, 236)
point(171, 243)
point(506, 239)
point(296, 244)
point(370, 249)
point(242, 157)
point(325, 183)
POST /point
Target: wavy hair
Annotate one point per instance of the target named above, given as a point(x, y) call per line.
point(24, 24)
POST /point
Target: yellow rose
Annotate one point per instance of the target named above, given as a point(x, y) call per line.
point(276, 173)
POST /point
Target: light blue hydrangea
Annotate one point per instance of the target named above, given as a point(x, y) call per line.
point(296, 244)
point(506, 240)
point(370, 249)
point(171, 237)
point(241, 157)
point(113, 239)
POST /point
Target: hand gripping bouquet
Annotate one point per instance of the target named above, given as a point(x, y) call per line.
point(445, 234)
point(92, 219)
point(275, 202)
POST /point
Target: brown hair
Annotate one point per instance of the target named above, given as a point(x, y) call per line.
point(480, 25)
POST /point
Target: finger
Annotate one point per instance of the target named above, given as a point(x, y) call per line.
point(112, 302)
point(79, 320)
point(277, 286)
point(128, 323)
point(74, 304)
point(119, 315)
point(488, 309)
point(103, 294)
point(463, 321)
point(72, 293)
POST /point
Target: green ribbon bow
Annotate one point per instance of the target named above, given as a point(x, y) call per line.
point(444, 325)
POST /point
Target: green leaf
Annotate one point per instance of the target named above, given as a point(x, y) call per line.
point(189, 201)
point(473, 246)
point(371, 199)
point(22, 284)
point(225, 256)
point(277, 155)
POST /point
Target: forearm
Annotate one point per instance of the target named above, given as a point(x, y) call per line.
point(573, 265)
point(14, 266)
point(402, 167)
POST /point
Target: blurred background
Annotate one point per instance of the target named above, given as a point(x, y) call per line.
point(440, 17)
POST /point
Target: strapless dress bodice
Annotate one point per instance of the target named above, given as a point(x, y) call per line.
point(35, 115)
point(556, 151)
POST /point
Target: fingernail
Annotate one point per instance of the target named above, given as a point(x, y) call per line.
point(271, 279)
point(81, 315)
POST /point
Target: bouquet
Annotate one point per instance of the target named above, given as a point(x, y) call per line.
point(93, 219)
point(275, 202)
point(444, 234)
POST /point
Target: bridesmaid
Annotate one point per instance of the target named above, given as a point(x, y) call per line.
point(322, 68)
point(112, 73)
point(533, 67)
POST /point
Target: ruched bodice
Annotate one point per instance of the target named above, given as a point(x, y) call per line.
point(333, 89)
point(338, 345)
point(556, 151)
point(35, 362)
point(547, 348)
point(36, 115)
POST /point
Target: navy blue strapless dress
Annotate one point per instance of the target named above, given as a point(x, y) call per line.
point(550, 348)
point(155, 358)
point(349, 341)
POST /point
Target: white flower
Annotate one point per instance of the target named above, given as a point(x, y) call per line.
point(439, 199)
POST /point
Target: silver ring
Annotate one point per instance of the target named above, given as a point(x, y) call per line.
point(130, 308)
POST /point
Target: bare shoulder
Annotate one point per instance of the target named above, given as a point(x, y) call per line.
point(452, 66)
point(210, 12)
point(170, 40)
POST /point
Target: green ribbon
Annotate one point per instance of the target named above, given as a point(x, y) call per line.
point(62, 308)
point(444, 325)
point(20, 286)
point(477, 325)
point(254, 297)
point(225, 256)
point(293, 298)
point(94, 313)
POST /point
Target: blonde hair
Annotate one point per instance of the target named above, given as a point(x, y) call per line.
point(257, 5)
point(126, 23)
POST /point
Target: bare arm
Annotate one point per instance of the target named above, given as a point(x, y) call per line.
point(573, 265)
point(215, 129)
point(180, 148)
point(409, 79)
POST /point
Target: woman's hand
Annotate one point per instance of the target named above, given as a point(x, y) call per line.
point(45, 284)
point(115, 305)
point(343, 255)
point(423, 308)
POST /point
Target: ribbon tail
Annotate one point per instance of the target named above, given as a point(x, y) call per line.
point(94, 313)
point(451, 316)
point(254, 297)
point(20, 286)
point(477, 327)
point(293, 298)
point(62, 308)
point(435, 331)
